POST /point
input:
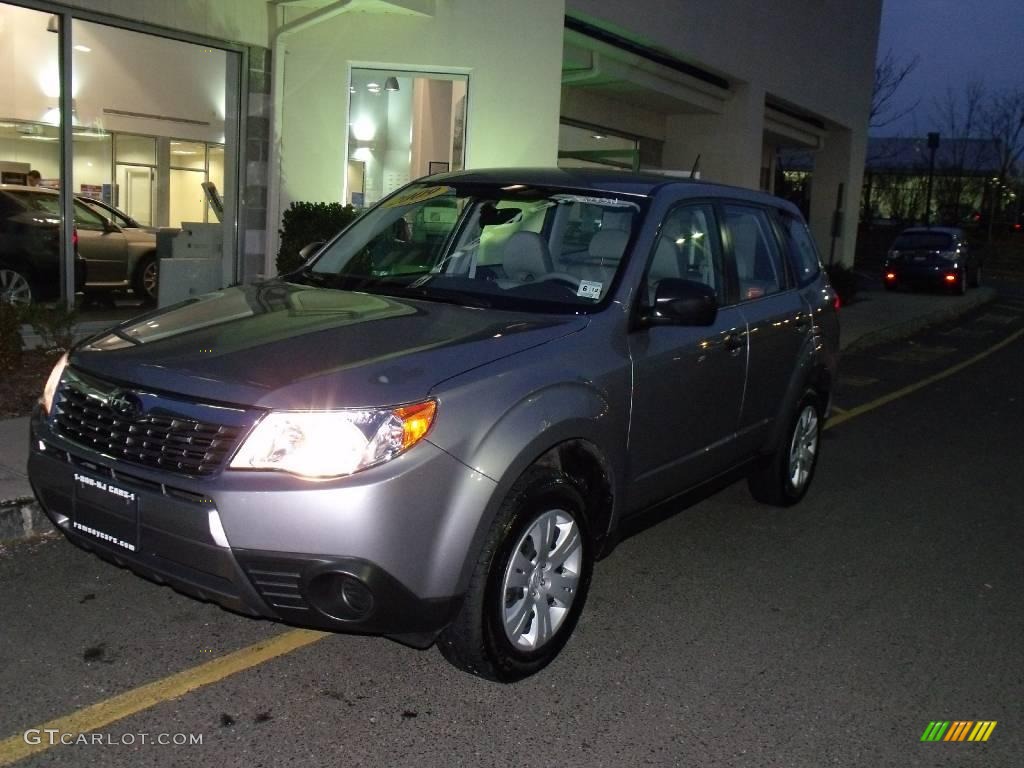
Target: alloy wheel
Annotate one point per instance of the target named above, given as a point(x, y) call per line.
point(150, 277)
point(541, 580)
point(14, 288)
point(803, 448)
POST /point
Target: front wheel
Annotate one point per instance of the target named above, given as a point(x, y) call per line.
point(15, 288)
point(783, 478)
point(976, 280)
point(529, 584)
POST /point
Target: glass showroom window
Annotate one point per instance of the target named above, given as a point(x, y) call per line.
point(153, 135)
point(402, 125)
point(30, 156)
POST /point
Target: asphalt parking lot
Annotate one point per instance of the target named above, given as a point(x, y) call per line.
point(728, 635)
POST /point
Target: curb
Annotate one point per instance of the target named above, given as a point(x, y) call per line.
point(22, 519)
point(973, 300)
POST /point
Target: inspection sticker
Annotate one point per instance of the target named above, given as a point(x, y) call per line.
point(414, 196)
point(589, 290)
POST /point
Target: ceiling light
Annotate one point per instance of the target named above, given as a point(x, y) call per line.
point(391, 84)
point(598, 136)
point(83, 48)
point(53, 24)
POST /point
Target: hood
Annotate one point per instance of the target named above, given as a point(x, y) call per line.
point(288, 346)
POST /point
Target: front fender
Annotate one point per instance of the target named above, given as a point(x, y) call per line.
point(501, 444)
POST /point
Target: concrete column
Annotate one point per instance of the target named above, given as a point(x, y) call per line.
point(729, 144)
point(839, 161)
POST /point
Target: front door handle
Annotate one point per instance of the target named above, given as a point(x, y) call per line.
point(733, 341)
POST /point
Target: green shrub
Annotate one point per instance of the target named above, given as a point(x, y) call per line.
point(55, 325)
point(845, 282)
point(10, 337)
point(305, 223)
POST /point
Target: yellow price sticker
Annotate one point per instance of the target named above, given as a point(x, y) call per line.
point(414, 196)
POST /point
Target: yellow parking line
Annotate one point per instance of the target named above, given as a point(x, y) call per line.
point(118, 707)
point(860, 410)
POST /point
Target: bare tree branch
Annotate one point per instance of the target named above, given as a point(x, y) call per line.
point(890, 72)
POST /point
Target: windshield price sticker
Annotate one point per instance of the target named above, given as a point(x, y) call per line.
point(589, 290)
point(607, 202)
point(414, 196)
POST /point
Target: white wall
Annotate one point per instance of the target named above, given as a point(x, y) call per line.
point(510, 51)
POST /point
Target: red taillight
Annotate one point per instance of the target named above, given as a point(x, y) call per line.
point(74, 239)
point(950, 278)
point(890, 275)
point(1017, 227)
point(836, 303)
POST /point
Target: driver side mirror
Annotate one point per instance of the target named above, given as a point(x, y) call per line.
point(681, 302)
point(308, 250)
point(110, 227)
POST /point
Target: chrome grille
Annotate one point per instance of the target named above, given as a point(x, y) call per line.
point(88, 413)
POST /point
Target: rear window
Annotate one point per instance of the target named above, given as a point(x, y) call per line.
point(923, 241)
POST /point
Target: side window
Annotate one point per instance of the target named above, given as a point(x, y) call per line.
point(803, 257)
point(687, 248)
point(86, 218)
point(755, 251)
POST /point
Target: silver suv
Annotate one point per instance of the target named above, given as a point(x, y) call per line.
point(434, 428)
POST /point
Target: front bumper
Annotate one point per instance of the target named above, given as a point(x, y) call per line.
point(350, 557)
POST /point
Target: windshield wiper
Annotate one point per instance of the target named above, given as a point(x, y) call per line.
point(459, 299)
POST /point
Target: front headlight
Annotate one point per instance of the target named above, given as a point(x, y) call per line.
point(50, 388)
point(333, 443)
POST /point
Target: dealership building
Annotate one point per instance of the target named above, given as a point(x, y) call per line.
point(213, 116)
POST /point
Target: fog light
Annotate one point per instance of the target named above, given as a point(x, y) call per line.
point(340, 596)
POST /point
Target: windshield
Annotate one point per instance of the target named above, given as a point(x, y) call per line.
point(514, 247)
point(923, 241)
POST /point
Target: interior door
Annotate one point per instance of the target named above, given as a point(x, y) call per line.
point(688, 381)
point(136, 192)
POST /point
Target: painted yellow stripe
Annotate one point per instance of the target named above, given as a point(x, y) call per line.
point(988, 731)
point(860, 410)
point(116, 708)
point(981, 725)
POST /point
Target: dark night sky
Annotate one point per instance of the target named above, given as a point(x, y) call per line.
point(957, 40)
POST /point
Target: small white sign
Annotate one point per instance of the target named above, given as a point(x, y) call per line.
point(589, 290)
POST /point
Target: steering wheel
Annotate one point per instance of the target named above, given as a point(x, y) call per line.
point(562, 277)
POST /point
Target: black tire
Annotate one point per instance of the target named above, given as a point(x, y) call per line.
point(891, 286)
point(476, 641)
point(772, 481)
point(976, 278)
point(143, 287)
point(960, 286)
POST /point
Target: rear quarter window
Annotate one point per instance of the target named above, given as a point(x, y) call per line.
point(799, 245)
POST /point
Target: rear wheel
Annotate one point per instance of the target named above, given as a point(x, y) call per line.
point(15, 288)
point(529, 584)
point(783, 478)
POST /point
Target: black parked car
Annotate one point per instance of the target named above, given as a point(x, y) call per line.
point(932, 257)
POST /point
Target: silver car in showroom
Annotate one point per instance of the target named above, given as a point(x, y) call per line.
point(434, 428)
point(114, 256)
